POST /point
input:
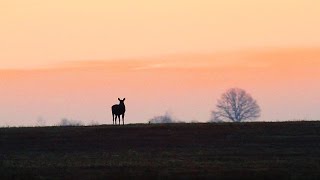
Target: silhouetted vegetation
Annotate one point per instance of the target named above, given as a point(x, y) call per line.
point(282, 150)
point(69, 122)
point(41, 122)
point(236, 105)
point(163, 119)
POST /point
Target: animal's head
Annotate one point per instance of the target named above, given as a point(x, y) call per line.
point(121, 101)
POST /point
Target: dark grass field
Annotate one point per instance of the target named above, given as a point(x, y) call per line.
point(287, 150)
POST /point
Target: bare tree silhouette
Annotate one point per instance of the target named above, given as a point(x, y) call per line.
point(236, 105)
point(117, 110)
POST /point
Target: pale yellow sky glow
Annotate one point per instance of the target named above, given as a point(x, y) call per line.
point(37, 33)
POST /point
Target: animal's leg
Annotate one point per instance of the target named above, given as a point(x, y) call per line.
point(119, 120)
point(112, 118)
point(122, 119)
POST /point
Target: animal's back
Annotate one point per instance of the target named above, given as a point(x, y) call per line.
point(118, 110)
point(114, 109)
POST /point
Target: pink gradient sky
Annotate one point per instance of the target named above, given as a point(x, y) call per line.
point(285, 86)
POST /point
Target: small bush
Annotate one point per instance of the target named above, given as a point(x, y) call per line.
point(69, 122)
point(167, 118)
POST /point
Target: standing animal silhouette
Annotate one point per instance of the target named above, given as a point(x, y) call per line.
point(117, 110)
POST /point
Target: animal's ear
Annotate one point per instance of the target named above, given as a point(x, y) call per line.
point(119, 99)
point(124, 99)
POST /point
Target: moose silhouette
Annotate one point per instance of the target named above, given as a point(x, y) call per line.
point(117, 110)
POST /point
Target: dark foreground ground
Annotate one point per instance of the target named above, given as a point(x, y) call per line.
point(288, 150)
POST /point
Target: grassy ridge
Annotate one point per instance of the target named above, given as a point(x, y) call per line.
point(286, 150)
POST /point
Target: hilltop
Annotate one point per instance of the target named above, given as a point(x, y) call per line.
point(269, 150)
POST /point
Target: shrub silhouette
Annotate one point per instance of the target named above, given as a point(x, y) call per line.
point(69, 122)
point(162, 119)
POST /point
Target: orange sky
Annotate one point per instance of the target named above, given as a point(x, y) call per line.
point(42, 33)
point(68, 58)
